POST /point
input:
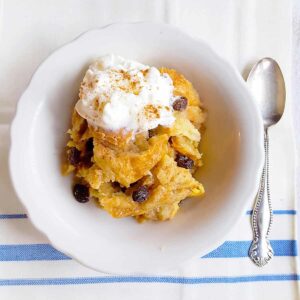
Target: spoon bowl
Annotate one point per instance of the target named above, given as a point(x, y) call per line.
point(266, 82)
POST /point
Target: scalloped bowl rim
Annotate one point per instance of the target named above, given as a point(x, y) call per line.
point(33, 212)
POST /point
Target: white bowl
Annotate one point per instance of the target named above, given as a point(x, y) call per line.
point(232, 147)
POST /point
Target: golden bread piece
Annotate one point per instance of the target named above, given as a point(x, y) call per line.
point(182, 87)
point(181, 127)
point(187, 147)
point(172, 185)
point(196, 115)
point(128, 167)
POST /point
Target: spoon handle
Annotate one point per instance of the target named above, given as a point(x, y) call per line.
point(260, 250)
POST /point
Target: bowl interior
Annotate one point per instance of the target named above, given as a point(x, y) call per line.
point(90, 234)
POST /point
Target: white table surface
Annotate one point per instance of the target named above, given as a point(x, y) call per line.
point(240, 31)
point(296, 99)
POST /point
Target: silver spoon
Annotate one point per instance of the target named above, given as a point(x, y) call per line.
point(267, 86)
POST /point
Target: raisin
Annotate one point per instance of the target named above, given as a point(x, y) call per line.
point(116, 184)
point(87, 162)
point(87, 158)
point(180, 104)
point(141, 194)
point(81, 193)
point(74, 156)
point(184, 161)
point(89, 145)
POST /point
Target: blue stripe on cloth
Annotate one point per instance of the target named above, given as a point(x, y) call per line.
point(240, 249)
point(249, 212)
point(278, 212)
point(150, 279)
point(230, 249)
point(30, 252)
point(13, 216)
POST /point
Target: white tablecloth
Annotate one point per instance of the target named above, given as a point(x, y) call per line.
point(240, 31)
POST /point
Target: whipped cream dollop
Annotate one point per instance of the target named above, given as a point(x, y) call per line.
point(120, 94)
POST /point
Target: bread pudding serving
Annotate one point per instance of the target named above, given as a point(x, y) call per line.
point(134, 139)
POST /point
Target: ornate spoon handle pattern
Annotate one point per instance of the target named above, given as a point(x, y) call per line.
point(261, 251)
